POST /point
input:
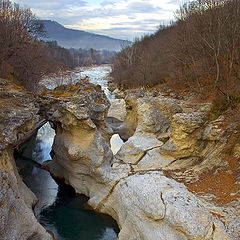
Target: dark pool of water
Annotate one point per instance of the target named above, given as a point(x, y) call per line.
point(61, 211)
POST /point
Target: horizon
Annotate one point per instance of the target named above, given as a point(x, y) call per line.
point(124, 19)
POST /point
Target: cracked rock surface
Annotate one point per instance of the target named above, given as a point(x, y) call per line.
point(151, 206)
point(166, 181)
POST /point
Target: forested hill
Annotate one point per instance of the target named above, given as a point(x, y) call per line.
point(70, 38)
point(199, 52)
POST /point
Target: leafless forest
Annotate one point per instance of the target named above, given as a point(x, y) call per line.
point(199, 52)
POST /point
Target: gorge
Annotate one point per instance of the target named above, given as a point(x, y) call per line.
point(171, 179)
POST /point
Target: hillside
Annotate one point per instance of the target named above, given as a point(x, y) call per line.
point(70, 38)
point(196, 53)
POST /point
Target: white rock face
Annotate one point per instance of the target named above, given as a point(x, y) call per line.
point(117, 109)
point(136, 147)
point(151, 206)
point(154, 159)
point(116, 143)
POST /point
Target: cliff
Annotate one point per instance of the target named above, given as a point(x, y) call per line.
point(19, 119)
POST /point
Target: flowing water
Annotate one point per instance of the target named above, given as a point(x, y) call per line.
point(59, 209)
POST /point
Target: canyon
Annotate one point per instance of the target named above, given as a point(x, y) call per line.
point(175, 177)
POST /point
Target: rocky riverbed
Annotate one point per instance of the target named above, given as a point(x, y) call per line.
point(173, 178)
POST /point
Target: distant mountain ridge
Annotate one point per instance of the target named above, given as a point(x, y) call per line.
point(71, 38)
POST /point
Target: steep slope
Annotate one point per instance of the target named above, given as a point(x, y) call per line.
point(70, 38)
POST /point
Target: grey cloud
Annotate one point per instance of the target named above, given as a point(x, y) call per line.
point(52, 4)
point(69, 12)
point(176, 2)
point(143, 23)
point(141, 7)
point(118, 29)
point(106, 3)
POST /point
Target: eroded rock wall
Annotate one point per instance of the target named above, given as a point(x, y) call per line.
point(18, 121)
point(148, 186)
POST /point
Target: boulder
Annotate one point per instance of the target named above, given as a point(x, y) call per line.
point(137, 147)
point(82, 153)
point(117, 109)
point(150, 114)
point(186, 130)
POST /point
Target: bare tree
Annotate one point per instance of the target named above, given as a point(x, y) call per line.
point(19, 48)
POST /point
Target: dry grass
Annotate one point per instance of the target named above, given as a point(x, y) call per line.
point(223, 184)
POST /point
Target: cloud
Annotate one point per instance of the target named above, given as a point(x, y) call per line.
point(51, 4)
point(105, 3)
point(141, 7)
point(117, 18)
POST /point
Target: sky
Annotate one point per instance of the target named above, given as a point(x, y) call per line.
point(123, 19)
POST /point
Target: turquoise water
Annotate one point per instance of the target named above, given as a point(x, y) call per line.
point(72, 222)
point(59, 209)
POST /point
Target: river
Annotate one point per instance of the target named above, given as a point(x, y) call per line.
point(59, 209)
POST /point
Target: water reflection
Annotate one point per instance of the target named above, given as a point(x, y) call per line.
point(39, 181)
point(69, 220)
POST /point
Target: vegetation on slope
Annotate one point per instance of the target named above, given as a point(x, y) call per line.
point(199, 52)
point(25, 58)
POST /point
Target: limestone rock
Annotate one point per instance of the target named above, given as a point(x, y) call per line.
point(213, 131)
point(118, 127)
point(154, 114)
point(236, 150)
point(151, 206)
point(82, 154)
point(185, 133)
point(154, 159)
point(16, 121)
point(118, 93)
point(117, 109)
point(136, 148)
point(17, 219)
point(131, 120)
point(150, 114)
point(19, 119)
point(162, 134)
